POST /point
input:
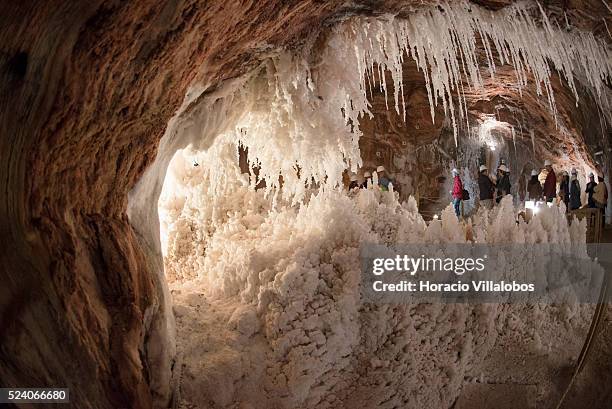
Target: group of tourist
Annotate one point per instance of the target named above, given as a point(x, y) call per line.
point(378, 178)
point(493, 189)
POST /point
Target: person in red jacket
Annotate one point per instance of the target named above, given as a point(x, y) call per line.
point(550, 184)
point(457, 192)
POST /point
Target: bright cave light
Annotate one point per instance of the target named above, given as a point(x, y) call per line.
point(533, 206)
point(185, 165)
point(488, 127)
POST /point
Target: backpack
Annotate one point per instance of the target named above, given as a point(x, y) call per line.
point(465, 195)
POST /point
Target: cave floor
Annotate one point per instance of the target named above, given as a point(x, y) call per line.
point(223, 363)
point(220, 365)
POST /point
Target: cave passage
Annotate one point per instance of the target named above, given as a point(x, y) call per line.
point(261, 235)
point(192, 192)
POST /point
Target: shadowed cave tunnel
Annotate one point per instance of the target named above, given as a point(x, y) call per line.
point(105, 108)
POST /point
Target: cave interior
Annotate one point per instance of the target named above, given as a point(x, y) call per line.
point(176, 225)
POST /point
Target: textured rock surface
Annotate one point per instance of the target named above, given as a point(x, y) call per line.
point(86, 91)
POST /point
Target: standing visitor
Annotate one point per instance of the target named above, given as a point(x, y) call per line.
point(590, 189)
point(550, 184)
point(600, 194)
point(383, 180)
point(354, 184)
point(564, 189)
point(534, 187)
point(457, 192)
point(574, 191)
point(367, 176)
point(503, 182)
point(486, 187)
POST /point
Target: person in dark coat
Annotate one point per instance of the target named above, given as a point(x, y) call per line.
point(367, 176)
point(503, 182)
point(383, 180)
point(550, 184)
point(354, 184)
point(590, 188)
point(564, 189)
point(534, 187)
point(574, 191)
point(486, 187)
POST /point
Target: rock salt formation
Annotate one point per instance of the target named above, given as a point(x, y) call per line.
point(88, 91)
point(269, 312)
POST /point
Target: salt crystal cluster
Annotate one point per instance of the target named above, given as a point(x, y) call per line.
point(286, 280)
point(301, 110)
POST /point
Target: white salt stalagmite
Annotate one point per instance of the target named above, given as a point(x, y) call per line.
point(284, 281)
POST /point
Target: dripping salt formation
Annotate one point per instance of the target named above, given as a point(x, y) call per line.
point(306, 102)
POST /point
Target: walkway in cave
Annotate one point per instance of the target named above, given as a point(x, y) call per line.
point(221, 358)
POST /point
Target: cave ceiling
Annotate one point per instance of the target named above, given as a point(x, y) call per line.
point(117, 71)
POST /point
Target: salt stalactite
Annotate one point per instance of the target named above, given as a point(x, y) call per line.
point(293, 127)
point(299, 113)
point(444, 42)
